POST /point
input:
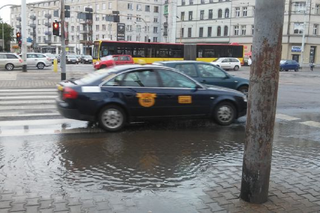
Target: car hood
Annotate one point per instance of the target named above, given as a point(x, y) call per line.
point(223, 89)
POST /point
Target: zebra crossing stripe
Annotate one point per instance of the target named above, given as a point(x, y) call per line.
point(28, 97)
point(286, 117)
point(311, 123)
point(38, 122)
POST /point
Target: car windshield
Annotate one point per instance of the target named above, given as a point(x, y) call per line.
point(72, 56)
point(217, 60)
point(92, 77)
point(87, 56)
point(282, 61)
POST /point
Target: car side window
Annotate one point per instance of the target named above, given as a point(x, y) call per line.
point(174, 79)
point(124, 58)
point(188, 69)
point(3, 56)
point(40, 56)
point(225, 60)
point(208, 70)
point(11, 56)
point(116, 58)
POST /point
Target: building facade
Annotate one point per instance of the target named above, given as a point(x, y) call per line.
point(142, 19)
point(226, 21)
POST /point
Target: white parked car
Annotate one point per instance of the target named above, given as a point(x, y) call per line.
point(9, 61)
point(38, 60)
point(228, 63)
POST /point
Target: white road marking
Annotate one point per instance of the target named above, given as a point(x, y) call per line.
point(8, 76)
point(28, 90)
point(287, 117)
point(311, 123)
point(53, 131)
point(18, 114)
point(26, 93)
point(2, 103)
point(38, 122)
point(27, 107)
point(29, 97)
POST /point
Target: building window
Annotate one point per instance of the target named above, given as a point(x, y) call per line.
point(218, 31)
point(191, 2)
point(97, 27)
point(130, 7)
point(147, 8)
point(189, 32)
point(155, 39)
point(104, 27)
point(201, 14)
point(138, 28)
point(190, 15)
point(244, 11)
point(155, 29)
point(139, 8)
point(209, 31)
point(129, 38)
point(210, 1)
point(97, 7)
point(226, 13)
point(201, 32)
point(156, 9)
point(210, 14)
point(182, 33)
point(236, 30)
point(138, 18)
point(103, 6)
point(129, 16)
point(243, 29)
point(315, 29)
point(219, 13)
point(226, 31)
point(97, 18)
point(183, 2)
point(237, 11)
point(182, 16)
point(317, 9)
point(252, 29)
point(298, 28)
point(202, 2)
point(155, 20)
point(110, 5)
point(299, 7)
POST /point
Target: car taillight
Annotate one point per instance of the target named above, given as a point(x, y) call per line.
point(20, 60)
point(48, 59)
point(69, 93)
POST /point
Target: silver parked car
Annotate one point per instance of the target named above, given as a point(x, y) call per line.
point(228, 63)
point(9, 61)
point(38, 60)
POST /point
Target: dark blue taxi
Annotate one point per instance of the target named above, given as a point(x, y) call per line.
point(119, 95)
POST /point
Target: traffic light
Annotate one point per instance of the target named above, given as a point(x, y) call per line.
point(55, 28)
point(18, 36)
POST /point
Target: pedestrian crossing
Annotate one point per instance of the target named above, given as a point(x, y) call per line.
point(33, 112)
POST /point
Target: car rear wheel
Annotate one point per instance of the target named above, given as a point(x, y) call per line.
point(236, 68)
point(224, 114)
point(296, 69)
point(244, 89)
point(9, 67)
point(40, 66)
point(112, 118)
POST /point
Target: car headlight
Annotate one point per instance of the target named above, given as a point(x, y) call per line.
point(245, 98)
point(97, 63)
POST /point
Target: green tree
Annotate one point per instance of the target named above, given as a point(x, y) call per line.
point(8, 35)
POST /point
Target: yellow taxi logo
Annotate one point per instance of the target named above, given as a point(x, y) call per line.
point(146, 99)
point(184, 100)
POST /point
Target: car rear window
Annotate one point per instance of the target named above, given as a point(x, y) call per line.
point(92, 77)
point(11, 56)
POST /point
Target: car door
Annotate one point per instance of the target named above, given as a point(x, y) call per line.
point(225, 64)
point(31, 60)
point(3, 59)
point(141, 93)
point(184, 97)
point(209, 74)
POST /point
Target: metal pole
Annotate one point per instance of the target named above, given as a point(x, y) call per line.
point(63, 43)
point(24, 34)
point(262, 101)
point(3, 43)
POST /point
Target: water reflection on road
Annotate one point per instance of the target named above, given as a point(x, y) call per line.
point(146, 156)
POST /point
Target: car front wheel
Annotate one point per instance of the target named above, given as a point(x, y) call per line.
point(112, 118)
point(9, 67)
point(224, 113)
point(40, 66)
point(236, 68)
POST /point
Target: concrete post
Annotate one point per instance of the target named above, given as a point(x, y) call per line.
point(63, 43)
point(262, 101)
point(24, 34)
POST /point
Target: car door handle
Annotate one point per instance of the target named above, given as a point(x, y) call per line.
point(170, 96)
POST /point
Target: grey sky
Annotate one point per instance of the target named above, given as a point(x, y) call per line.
point(5, 12)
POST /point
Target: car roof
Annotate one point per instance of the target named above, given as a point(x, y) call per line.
point(121, 68)
point(179, 62)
